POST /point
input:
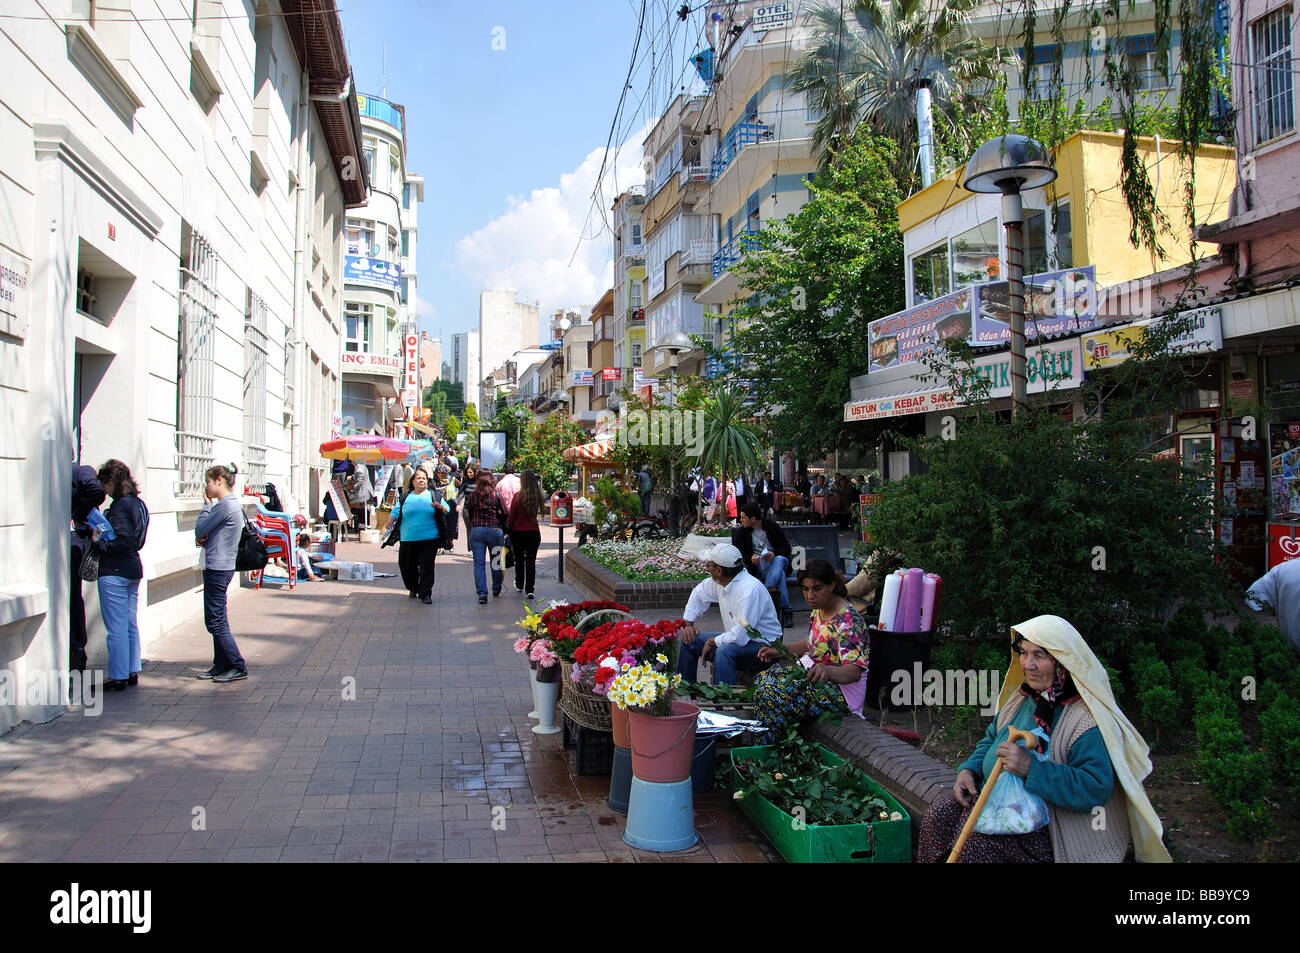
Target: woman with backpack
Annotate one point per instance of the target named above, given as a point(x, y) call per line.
point(120, 572)
point(417, 513)
point(217, 530)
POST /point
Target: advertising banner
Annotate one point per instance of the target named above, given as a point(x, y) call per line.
point(611, 374)
point(1113, 346)
point(583, 378)
point(912, 334)
point(411, 379)
point(372, 272)
point(1056, 303)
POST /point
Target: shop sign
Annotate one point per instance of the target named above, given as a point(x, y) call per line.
point(1114, 346)
point(611, 374)
point(372, 364)
point(1048, 367)
point(411, 383)
point(1241, 390)
point(14, 281)
point(1283, 543)
point(372, 272)
point(773, 16)
point(899, 405)
point(912, 334)
point(581, 378)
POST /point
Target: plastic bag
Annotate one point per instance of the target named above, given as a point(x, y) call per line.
point(1010, 808)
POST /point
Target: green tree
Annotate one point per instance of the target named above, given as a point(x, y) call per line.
point(730, 441)
point(543, 450)
point(451, 427)
point(868, 58)
point(443, 397)
point(817, 279)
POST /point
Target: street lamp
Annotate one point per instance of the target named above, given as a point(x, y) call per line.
point(674, 344)
point(1011, 164)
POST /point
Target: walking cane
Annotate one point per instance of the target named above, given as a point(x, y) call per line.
point(1013, 735)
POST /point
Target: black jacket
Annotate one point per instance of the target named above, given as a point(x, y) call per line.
point(743, 539)
point(120, 556)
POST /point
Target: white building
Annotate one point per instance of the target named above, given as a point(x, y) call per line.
point(163, 162)
point(379, 273)
point(505, 325)
point(467, 367)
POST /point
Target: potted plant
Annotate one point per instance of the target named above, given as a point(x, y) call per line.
point(531, 623)
point(661, 729)
point(547, 685)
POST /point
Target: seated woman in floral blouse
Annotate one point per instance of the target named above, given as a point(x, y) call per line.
point(835, 657)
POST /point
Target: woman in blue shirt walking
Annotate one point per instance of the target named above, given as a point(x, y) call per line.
point(419, 534)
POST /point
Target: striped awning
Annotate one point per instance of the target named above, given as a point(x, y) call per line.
point(595, 452)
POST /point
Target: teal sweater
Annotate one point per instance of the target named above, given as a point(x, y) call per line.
point(418, 522)
point(1080, 785)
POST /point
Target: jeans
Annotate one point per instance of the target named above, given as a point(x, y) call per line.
point(774, 574)
point(727, 659)
point(645, 503)
point(485, 543)
point(527, 542)
point(225, 653)
point(117, 604)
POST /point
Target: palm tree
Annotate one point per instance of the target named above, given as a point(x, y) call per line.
point(868, 58)
point(728, 441)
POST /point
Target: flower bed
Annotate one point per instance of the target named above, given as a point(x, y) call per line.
point(654, 560)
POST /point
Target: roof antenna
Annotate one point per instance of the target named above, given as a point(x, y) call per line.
point(383, 71)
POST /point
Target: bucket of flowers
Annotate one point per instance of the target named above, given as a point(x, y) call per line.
point(661, 728)
point(611, 648)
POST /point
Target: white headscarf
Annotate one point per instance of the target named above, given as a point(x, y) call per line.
point(1128, 752)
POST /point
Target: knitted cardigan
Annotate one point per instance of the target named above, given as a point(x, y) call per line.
point(1079, 838)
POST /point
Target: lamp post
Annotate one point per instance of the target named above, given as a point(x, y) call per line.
point(1009, 165)
point(674, 344)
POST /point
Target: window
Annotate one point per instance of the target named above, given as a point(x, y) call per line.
point(406, 243)
point(636, 234)
point(357, 321)
point(636, 295)
point(87, 303)
point(406, 195)
point(394, 170)
point(256, 346)
point(369, 151)
point(1142, 59)
point(1271, 48)
point(1041, 73)
point(1048, 245)
point(196, 360)
point(636, 353)
point(1063, 237)
point(975, 255)
point(361, 238)
point(405, 289)
point(930, 274)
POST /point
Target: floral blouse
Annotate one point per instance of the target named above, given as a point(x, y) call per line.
point(844, 640)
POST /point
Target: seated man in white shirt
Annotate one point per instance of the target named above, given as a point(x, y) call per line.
point(742, 600)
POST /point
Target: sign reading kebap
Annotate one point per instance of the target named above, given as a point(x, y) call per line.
point(1056, 303)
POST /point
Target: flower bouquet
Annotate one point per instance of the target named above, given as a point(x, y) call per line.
point(645, 688)
point(547, 662)
point(661, 730)
point(566, 624)
point(611, 647)
point(531, 623)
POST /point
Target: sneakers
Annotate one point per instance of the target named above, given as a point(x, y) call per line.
point(230, 675)
point(210, 673)
point(518, 588)
point(482, 600)
point(531, 596)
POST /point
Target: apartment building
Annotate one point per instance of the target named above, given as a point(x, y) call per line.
point(175, 176)
point(379, 273)
point(607, 375)
point(627, 325)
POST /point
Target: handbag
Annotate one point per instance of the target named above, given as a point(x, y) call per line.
point(89, 569)
point(251, 555)
point(392, 532)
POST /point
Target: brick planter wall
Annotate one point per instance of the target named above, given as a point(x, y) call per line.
point(599, 582)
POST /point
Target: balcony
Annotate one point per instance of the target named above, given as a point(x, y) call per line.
point(741, 135)
point(636, 317)
point(635, 252)
point(734, 250)
point(695, 261)
point(694, 173)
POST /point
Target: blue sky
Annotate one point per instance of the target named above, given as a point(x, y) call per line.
point(510, 140)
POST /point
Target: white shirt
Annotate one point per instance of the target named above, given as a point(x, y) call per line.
point(1280, 589)
point(740, 486)
point(742, 600)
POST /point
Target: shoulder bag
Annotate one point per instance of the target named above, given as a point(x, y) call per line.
point(392, 533)
point(252, 551)
point(89, 569)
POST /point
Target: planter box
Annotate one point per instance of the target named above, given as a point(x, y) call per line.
point(881, 842)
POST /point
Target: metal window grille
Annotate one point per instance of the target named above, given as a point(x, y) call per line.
point(256, 347)
point(87, 301)
point(197, 363)
point(1274, 104)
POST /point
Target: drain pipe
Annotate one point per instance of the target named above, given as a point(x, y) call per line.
point(925, 132)
point(297, 453)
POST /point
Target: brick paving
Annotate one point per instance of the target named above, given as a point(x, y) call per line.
point(433, 748)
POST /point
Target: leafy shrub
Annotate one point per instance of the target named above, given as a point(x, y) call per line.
point(1152, 688)
point(1280, 723)
point(1191, 680)
point(1235, 776)
point(947, 657)
point(990, 657)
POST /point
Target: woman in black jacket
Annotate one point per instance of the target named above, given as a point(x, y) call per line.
point(120, 572)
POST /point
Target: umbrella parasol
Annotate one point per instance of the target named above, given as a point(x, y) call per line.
point(365, 448)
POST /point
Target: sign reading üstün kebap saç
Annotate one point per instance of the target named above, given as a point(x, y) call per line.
point(1056, 303)
point(911, 334)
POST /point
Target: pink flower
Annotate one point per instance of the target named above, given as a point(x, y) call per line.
point(521, 645)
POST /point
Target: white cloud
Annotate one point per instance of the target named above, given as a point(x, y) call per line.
point(530, 247)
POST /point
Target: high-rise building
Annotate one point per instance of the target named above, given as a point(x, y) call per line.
point(379, 274)
point(505, 325)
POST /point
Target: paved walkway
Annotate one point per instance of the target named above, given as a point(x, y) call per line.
point(427, 755)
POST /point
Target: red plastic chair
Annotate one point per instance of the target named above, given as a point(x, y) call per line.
point(278, 539)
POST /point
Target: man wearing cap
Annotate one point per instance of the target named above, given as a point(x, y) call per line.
point(743, 601)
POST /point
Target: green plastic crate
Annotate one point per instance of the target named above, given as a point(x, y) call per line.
point(882, 842)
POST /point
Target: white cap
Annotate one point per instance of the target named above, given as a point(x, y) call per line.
point(723, 554)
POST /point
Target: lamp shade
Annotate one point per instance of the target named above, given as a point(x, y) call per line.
point(674, 342)
point(1009, 164)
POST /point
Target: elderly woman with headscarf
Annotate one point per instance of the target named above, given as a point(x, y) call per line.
point(1090, 780)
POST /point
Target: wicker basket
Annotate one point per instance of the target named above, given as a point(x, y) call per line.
point(583, 708)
